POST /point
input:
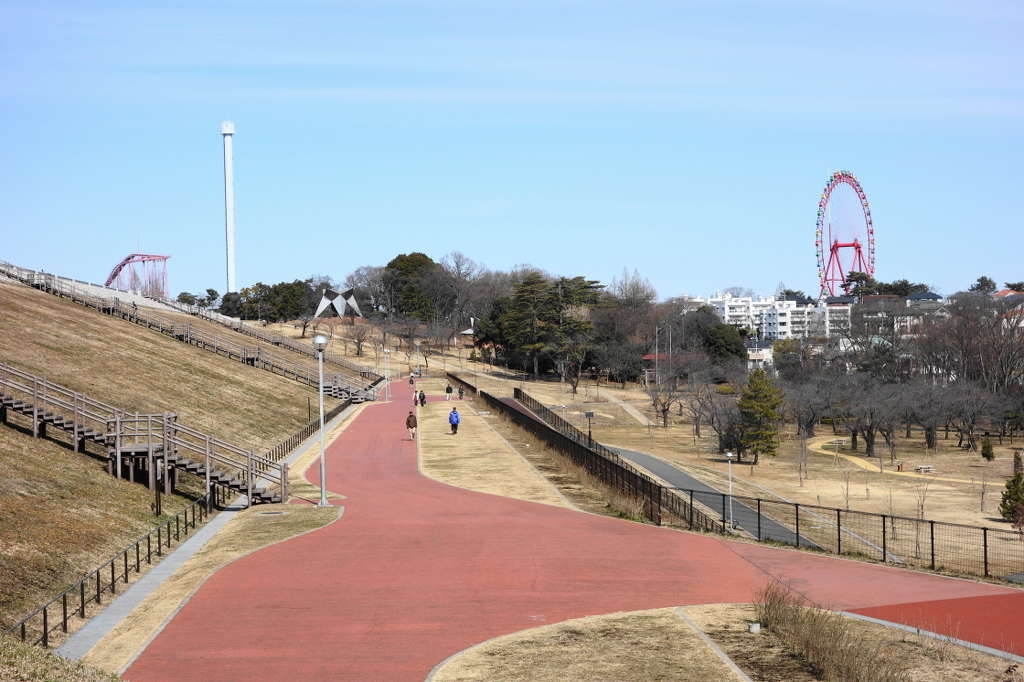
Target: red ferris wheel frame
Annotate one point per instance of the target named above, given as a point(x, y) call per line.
point(831, 275)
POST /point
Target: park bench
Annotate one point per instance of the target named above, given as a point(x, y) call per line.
point(924, 469)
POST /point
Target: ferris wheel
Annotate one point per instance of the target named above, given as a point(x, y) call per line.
point(845, 235)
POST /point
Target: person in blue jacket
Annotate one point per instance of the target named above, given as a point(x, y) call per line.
point(453, 419)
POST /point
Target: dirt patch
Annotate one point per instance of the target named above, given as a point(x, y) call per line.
point(643, 645)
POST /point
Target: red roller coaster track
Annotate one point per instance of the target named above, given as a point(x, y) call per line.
point(142, 272)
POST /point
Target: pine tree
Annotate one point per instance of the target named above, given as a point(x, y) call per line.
point(986, 449)
point(1013, 498)
point(760, 415)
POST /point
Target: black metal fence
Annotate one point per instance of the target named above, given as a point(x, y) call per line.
point(55, 616)
point(618, 477)
point(896, 540)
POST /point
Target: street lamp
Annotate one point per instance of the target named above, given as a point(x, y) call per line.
point(730, 456)
point(387, 374)
point(319, 344)
point(589, 416)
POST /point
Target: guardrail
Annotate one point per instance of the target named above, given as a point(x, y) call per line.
point(39, 626)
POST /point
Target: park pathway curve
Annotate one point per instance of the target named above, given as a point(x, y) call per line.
point(417, 570)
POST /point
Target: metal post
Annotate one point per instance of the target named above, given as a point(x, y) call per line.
point(885, 551)
point(691, 510)
point(732, 522)
point(759, 519)
point(723, 513)
point(931, 532)
point(320, 395)
point(207, 474)
point(984, 540)
point(839, 532)
point(797, 508)
point(46, 629)
point(81, 599)
point(64, 612)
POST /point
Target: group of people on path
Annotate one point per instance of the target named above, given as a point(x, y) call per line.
point(453, 417)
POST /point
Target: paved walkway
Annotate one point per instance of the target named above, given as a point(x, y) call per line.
point(743, 516)
point(417, 570)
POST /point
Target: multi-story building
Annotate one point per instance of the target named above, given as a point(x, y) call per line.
point(770, 318)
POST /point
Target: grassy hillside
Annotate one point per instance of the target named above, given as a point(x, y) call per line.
point(60, 513)
point(132, 367)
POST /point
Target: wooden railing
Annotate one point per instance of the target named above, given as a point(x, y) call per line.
point(153, 436)
point(274, 339)
point(256, 356)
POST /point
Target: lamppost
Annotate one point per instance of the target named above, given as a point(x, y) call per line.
point(319, 344)
point(589, 416)
point(387, 374)
point(730, 456)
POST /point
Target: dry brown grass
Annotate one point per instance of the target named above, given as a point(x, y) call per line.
point(248, 531)
point(835, 647)
point(23, 663)
point(477, 458)
point(132, 367)
point(61, 516)
point(643, 645)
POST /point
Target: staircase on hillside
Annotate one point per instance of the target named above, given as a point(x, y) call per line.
point(150, 447)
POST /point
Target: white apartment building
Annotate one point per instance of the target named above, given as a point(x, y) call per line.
point(772, 319)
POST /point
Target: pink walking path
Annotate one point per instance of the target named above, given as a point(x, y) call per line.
point(416, 570)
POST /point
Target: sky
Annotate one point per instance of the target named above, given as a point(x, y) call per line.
point(689, 141)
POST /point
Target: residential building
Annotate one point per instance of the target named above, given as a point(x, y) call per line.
point(769, 318)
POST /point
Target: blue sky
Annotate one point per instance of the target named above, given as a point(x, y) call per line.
point(686, 140)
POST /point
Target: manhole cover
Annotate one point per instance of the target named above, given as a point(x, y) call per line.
point(269, 513)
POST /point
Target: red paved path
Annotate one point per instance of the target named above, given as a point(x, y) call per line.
point(416, 570)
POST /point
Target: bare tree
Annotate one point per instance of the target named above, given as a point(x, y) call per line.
point(360, 334)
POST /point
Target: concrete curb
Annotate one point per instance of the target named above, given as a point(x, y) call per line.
point(711, 644)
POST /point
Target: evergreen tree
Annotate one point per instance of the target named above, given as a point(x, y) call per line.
point(986, 449)
point(760, 414)
point(1013, 498)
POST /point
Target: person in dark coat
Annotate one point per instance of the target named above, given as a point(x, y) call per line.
point(410, 423)
point(453, 419)
point(448, 392)
point(462, 392)
point(423, 399)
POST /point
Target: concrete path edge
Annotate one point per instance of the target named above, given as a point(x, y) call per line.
point(80, 643)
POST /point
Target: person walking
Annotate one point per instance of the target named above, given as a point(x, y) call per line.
point(423, 399)
point(410, 423)
point(462, 392)
point(448, 392)
point(453, 419)
point(412, 381)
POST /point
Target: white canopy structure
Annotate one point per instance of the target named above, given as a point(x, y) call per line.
point(339, 302)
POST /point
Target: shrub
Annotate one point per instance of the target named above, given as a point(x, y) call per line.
point(823, 639)
point(986, 449)
point(1013, 497)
